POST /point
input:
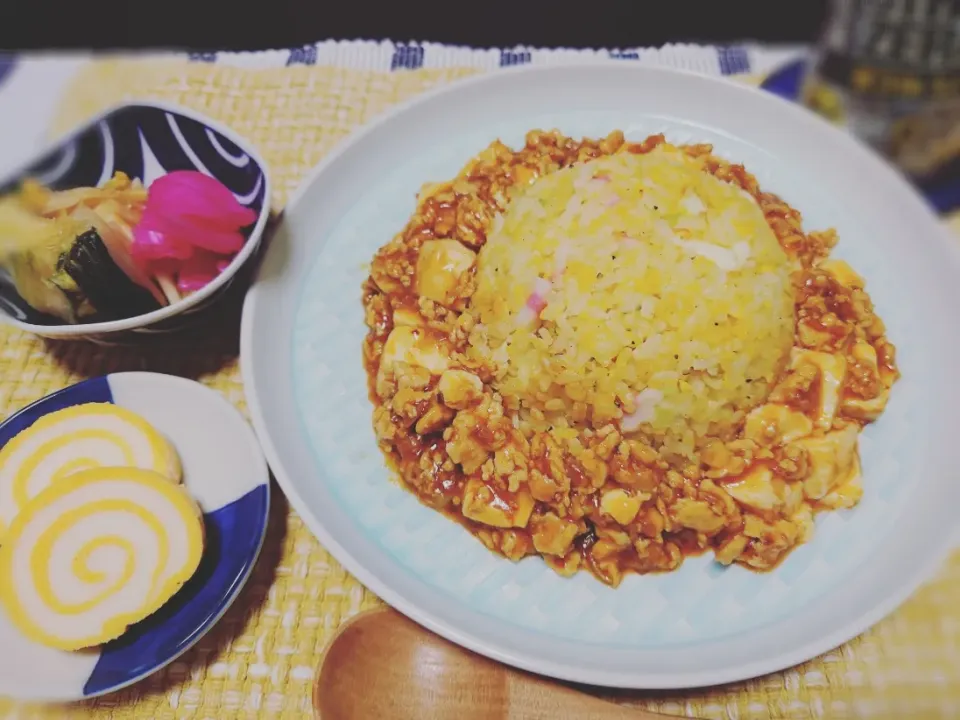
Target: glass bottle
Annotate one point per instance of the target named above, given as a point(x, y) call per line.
point(889, 71)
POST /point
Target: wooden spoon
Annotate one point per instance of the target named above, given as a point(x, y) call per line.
point(382, 665)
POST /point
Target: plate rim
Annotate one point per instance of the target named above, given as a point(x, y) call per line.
point(241, 580)
point(921, 571)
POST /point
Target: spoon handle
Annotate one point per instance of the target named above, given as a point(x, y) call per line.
point(530, 698)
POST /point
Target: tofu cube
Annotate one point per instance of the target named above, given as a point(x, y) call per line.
point(620, 505)
point(832, 457)
point(757, 489)
point(483, 505)
point(440, 265)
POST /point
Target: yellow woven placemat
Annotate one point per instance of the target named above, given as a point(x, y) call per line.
point(258, 661)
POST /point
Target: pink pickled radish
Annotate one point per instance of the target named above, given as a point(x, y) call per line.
point(188, 282)
point(223, 240)
point(190, 229)
point(200, 197)
point(149, 244)
point(198, 271)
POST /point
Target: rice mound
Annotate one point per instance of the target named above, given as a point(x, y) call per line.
point(636, 289)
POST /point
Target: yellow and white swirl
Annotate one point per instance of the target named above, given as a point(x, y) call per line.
point(96, 552)
point(78, 438)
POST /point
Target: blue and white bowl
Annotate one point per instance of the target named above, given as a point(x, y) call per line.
point(224, 470)
point(145, 141)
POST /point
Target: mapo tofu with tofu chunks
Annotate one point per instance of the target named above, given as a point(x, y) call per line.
point(540, 374)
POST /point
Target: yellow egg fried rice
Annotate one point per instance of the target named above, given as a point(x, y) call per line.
point(662, 293)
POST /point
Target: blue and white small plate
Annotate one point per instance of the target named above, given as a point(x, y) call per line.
point(226, 473)
point(145, 140)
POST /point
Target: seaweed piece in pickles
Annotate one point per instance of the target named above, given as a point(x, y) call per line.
point(67, 253)
point(87, 274)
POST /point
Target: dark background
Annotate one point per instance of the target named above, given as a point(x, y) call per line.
point(261, 24)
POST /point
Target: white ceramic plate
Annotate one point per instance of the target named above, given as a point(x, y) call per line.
point(224, 470)
point(301, 358)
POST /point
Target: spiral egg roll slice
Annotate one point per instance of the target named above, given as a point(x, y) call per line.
point(96, 552)
point(78, 438)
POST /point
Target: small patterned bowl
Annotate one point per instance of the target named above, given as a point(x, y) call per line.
point(145, 141)
point(224, 470)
